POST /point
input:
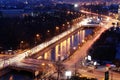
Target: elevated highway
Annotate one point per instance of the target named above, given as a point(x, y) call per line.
point(62, 45)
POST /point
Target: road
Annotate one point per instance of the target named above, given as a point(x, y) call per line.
point(82, 52)
point(78, 55)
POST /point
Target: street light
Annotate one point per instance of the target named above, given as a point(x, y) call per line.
point(21, 44)
point(43, 64)
point(63, 24)
point(43, 67)
point(48, 31)
point(74, 48)
point(37, 38)
point(57, 28)
point(68, 22)
point(37, 35)
point(75, 5)
point(48, 34)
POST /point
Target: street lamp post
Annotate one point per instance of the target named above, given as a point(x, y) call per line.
point(43, 67)
point(48, 33)
point(21, 44)
point(37, 38)
point(57, 30)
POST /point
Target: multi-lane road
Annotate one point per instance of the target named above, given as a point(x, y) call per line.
point(82, 52)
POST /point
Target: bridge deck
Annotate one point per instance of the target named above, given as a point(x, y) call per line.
point(32, 65)
point(90, 25)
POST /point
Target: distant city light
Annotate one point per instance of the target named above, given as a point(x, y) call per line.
point(75, 5)
point(26, 2)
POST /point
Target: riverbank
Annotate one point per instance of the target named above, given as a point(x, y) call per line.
point(106, 47)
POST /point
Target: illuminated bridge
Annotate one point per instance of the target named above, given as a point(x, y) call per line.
point(57, 49)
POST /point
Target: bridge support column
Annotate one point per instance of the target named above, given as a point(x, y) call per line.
point(47, 55)
point(78, 37)
point(82, 35)
point(68, 47)
point(57, 52)
point(63, 50)
point(71, 41)
point(53, 58)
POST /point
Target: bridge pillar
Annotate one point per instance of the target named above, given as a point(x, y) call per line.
point(68, 47)
point(57, 52)
point(82, 35)
point(78, 36)
point(76, 40)
point(71, 41)
point(53, 58)
point(47, 55)
point(63, 49)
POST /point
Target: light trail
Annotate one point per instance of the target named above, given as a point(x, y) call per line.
point(34, 50)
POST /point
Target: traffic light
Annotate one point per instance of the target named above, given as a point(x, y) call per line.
point(106, 75)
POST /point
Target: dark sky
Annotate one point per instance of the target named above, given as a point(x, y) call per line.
point(87, 0)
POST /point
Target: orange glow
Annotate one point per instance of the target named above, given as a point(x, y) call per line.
point(68, 12)
point(57, 28)
point(22, 42)
point(40, 57)
point(63, 25)
point(68, 22)
point(43, 64)
point(46, 55)
point(37, 35)
point(57, 51)
point(48, 31)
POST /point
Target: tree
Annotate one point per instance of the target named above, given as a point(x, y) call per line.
point(59, 69)
point(106, 75)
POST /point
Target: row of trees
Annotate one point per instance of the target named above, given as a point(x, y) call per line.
point(15, 30)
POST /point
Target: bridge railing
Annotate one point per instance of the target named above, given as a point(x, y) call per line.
point(53, 40)
point(34, 50)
